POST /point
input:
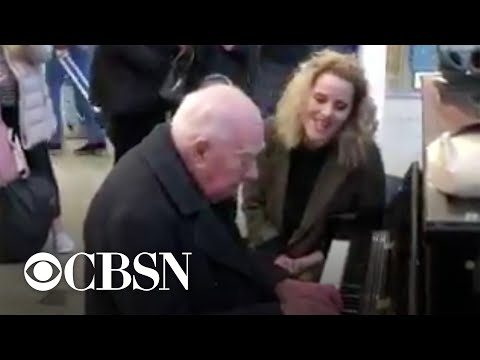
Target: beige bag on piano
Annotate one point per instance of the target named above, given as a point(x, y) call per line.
point(453, 163)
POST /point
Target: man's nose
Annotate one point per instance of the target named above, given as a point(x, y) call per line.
point(252, 173)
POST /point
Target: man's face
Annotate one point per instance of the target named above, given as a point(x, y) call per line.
point(228, 163)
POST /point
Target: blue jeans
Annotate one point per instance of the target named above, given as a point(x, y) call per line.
point(55, 76)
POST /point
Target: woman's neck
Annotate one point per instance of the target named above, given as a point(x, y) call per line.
point(311, 145)
point(315, 146)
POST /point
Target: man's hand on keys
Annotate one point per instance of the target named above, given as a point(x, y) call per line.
point(303, 298)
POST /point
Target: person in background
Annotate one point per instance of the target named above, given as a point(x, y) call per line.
point(55, 75)
point(320, 162)
point(21, 81)
point(344, 49)
point(276, 64)
point(167, 195)
point(239, 63)
point(126, 80)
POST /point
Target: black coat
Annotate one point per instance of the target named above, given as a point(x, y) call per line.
point(125, 79)
point(286, 55)
point(240, 64)
point(345, 49)
point(150, 204)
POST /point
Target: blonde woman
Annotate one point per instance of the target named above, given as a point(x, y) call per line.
point(320, 163)
point(26, 108)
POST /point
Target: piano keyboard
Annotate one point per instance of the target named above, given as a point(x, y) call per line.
point(335, 263)
point(351, 295)
point(361, 280)
point(334, 272)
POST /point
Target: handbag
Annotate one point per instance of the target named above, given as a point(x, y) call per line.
point(13, 164)
point(453, 165)
point(28, 204)
point(174, 87)
point(27, 210)
point(216, 78)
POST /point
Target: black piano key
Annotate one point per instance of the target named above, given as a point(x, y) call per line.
point(348, 312)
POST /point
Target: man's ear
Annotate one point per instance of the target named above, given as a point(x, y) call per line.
point(200, 151)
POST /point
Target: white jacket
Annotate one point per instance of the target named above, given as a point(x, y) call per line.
point(36, 117)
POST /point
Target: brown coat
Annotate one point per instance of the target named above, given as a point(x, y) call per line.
point(336, 191)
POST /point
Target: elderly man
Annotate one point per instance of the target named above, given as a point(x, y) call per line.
point(167, 196)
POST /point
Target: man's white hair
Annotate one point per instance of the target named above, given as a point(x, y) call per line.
point(209, 113)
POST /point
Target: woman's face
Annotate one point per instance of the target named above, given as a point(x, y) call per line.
point(328, 108)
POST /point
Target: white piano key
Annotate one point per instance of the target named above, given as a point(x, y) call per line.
point(336, 263)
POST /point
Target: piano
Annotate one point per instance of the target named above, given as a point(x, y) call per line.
point(361, 283)
point(379, 272)
point(426, 260)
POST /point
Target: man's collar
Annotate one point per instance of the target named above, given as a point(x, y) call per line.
point(167, 165)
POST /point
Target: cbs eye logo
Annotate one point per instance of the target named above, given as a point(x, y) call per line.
point(43, 269)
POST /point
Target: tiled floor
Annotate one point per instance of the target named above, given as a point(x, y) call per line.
point(79, 177)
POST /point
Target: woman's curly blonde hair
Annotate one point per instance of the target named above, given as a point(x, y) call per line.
point(359, 129)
